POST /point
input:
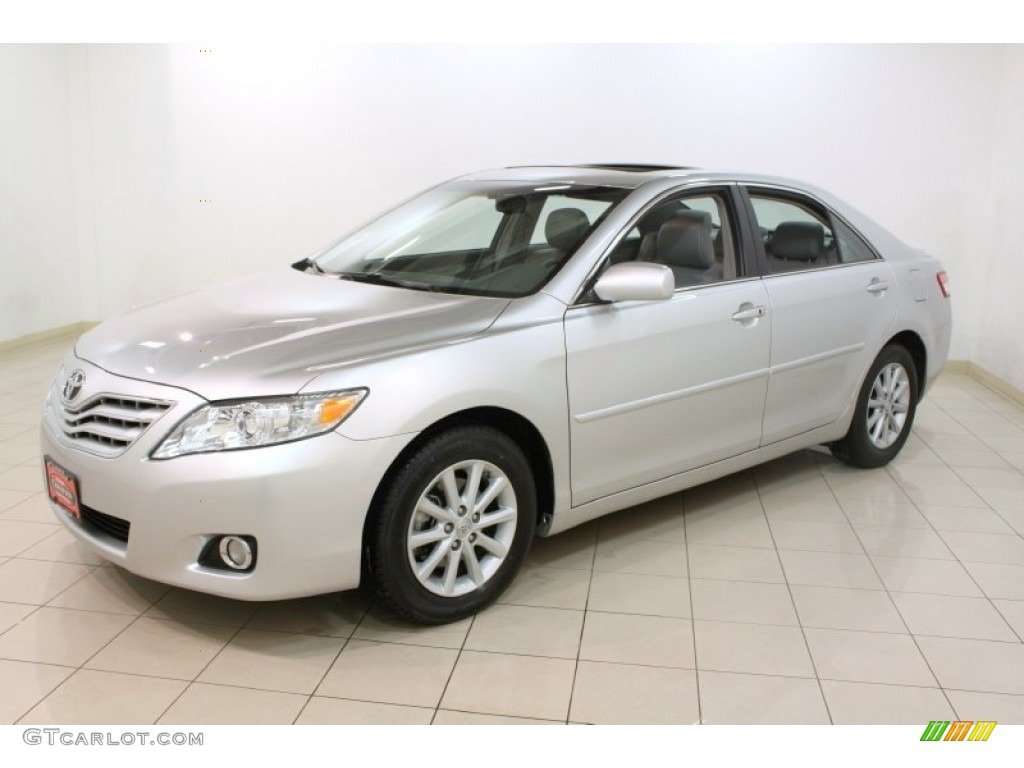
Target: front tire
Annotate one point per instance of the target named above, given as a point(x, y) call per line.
point(884, 413)
point(453, 525)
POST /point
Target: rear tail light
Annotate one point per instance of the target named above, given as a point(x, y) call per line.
point(943, 279)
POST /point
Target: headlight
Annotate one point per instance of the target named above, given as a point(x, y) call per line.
point(255, 423)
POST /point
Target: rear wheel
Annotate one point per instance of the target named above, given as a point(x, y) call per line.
point(453, 525)
point(884, 412)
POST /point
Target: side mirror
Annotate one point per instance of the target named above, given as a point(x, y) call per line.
point(636, 281)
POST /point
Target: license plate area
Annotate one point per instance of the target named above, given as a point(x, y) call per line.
point(62, 487)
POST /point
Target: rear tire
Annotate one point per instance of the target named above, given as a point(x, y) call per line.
point(884, 412)
point(453, 525)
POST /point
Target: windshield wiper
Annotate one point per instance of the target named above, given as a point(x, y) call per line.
point(377, 278)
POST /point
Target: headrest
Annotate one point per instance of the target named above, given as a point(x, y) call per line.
point(685, 241)
point(566, 228)
point(797, 240)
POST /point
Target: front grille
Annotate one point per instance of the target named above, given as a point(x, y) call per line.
point(114, 527)
point(108, 424)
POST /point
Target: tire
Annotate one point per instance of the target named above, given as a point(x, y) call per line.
point(467, 546)
point(884, 413)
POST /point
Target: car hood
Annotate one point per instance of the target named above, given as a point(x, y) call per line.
point(270, 334)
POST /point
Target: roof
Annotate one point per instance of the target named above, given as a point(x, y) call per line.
point(627, 175)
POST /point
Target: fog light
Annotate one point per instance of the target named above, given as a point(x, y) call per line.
point(236, 552)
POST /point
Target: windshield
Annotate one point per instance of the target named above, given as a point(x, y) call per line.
point(489, 239)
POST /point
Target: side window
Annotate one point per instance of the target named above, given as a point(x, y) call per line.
point(692, 235)
point(796, 235)
point(851, 247)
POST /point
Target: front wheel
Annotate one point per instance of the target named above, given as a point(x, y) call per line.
point(453, 525)
point(885, 411)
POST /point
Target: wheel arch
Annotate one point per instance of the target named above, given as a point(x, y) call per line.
point(913, 343)
point(515, 426)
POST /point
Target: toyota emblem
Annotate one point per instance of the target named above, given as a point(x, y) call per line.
point(73, 385)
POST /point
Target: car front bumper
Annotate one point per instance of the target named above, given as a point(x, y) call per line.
point(304, 502)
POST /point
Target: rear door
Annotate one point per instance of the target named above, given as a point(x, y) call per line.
point(832, 300)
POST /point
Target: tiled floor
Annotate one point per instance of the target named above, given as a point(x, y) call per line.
point(802, 592)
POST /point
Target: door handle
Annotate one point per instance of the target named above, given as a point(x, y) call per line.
point(748, 312)
point(877, 287)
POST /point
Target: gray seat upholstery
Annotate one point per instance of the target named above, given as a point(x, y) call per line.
point(795, 245)
point(684, 243)
point(565, 229)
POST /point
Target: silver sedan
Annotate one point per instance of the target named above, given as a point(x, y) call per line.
point(509, 354)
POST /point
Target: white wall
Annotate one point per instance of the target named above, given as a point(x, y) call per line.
point(999, 347)
point(39, 260)
point(295, 145)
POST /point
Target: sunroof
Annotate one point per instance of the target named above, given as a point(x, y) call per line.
point(636, 167)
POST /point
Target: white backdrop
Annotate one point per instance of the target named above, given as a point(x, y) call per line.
point(113, 148)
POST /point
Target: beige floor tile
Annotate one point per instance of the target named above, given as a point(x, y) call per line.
point(627, 639)
point(62, 547)
point(874, 704)
point(274, 661)
point(829, 569)
point(527, 630)
point(90, 697)
point(322, 711)
point(986, 547)
point(10, 499)
point(335, 615)
point(199, 608)
point(808, 510)
point(31, 507)
point(743, 526)
point(451, 717)
point(930, 476)
point(867, 657)
point(903, 542)
point(976, 665)
point(960, 459)
point(1004, 708)
point(997, 580)
point(22, 478)
point(37, 582)
point(1013, 613)
point(661, 519)
point(869, 485)
point(727, 698)
point(12, 613)
point(815, 536)
point(17, 535)
point(635, 593)
point(966, 519)
point(754, 648)
point(161, 648)
point(24, 685)
point(900, 515)
point(60, 636)
point(386, 628)
point(992, 477)
point(948, 496)
point(937, 577)
point(204, 704)
point(389, 673)
point(615, 694)
point(549, 588)
point(572, 549)
point(522, 686)
point(739, 601)
point(947, 616)
point(735, 564)
point(111, 590)
point(839, 608)
point(14, 454)
point(642, 556)
point(1002, 499)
